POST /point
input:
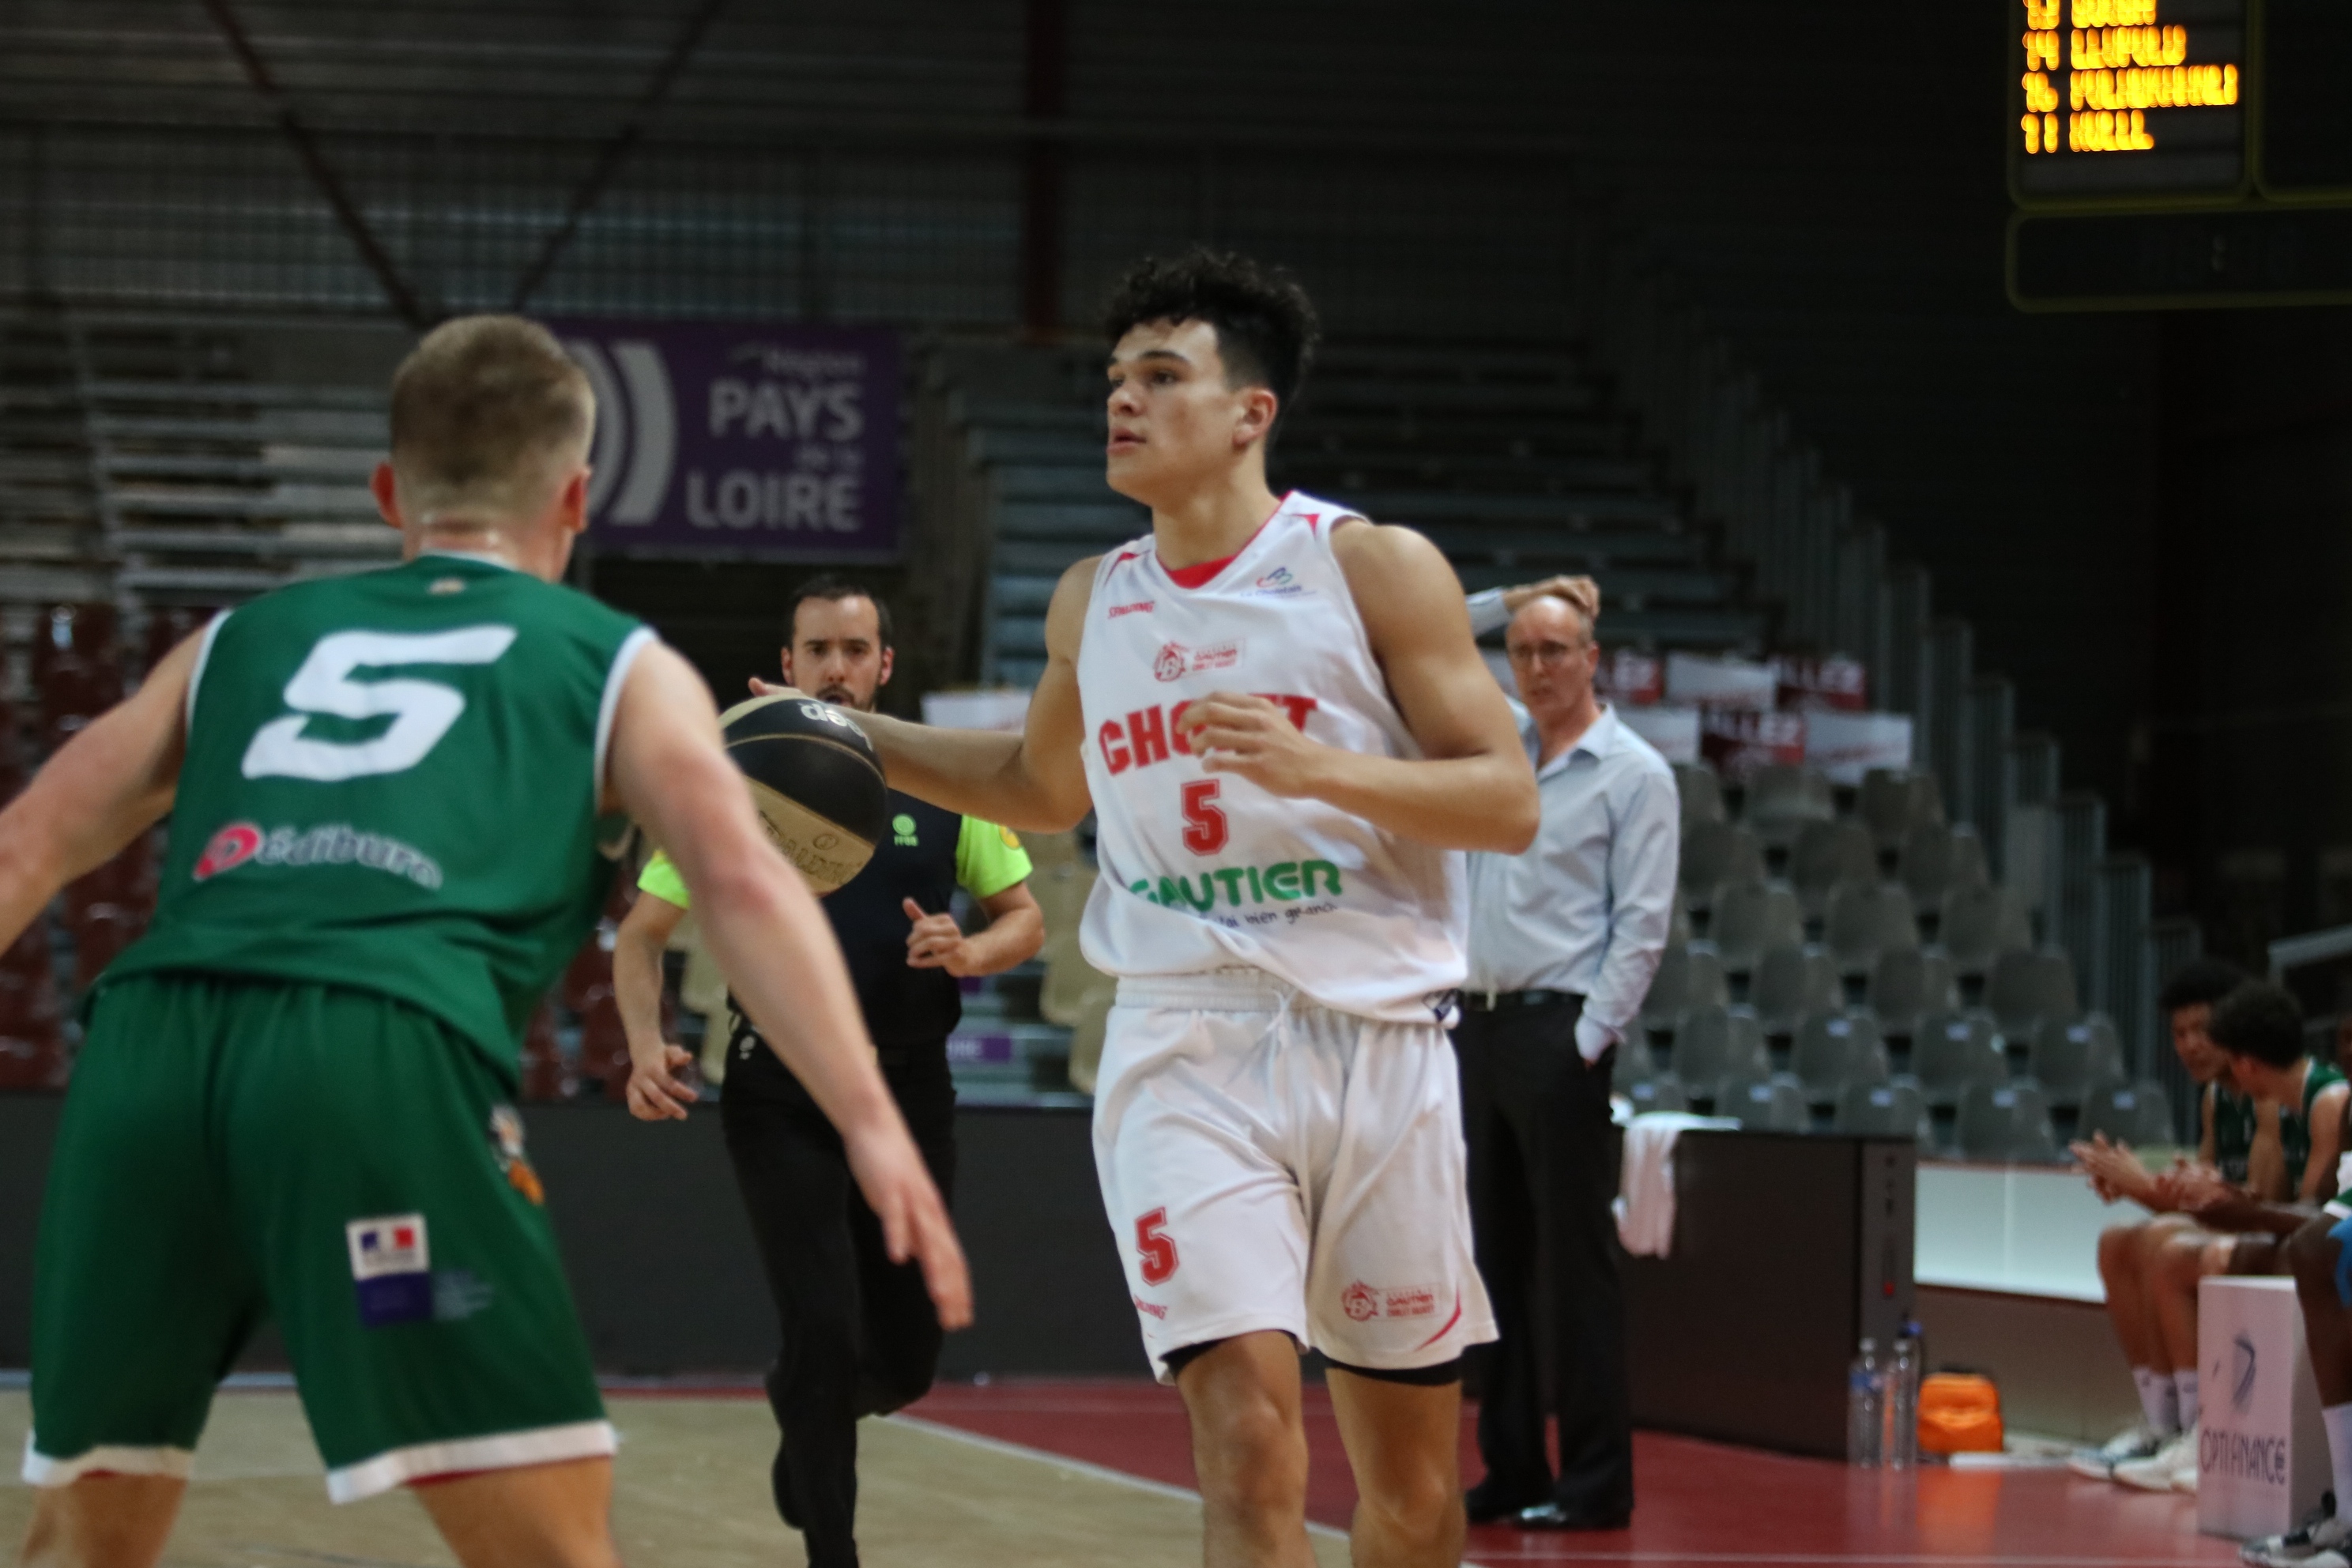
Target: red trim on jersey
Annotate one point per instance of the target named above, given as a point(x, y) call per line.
point(1199, 576)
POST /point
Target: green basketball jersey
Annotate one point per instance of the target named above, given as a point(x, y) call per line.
point(391, 783)
point(2234, 1126)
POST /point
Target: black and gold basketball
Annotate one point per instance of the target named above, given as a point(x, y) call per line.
point(817, 782)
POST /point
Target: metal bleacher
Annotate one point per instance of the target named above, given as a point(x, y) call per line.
point(147, 467)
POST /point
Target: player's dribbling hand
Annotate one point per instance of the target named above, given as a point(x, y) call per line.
point(915, 1224)
point(1256, 739)
point(935, 942)
point(660, 1092)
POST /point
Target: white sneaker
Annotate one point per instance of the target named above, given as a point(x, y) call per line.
point(2156, 1472)
point(2323, 1542)
point(2099, 1464)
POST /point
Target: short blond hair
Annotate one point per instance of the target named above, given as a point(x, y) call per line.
point(488, 413)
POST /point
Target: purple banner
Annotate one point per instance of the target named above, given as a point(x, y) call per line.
point(742, 439)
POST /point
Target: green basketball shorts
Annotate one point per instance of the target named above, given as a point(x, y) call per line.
point(337, 1160)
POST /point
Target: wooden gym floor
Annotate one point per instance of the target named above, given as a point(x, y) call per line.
point(1059, 1475)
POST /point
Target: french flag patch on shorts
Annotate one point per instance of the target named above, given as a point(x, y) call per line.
point(393, 1269)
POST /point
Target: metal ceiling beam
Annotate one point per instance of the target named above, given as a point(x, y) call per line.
point(616, 151)
point(396, 291)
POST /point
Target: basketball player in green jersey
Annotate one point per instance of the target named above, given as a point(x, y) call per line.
point(389, 794)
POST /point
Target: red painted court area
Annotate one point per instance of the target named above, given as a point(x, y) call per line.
point(1699, 1502)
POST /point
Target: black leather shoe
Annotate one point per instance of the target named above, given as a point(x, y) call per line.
point(1486, 1503)
point(1560, 1516)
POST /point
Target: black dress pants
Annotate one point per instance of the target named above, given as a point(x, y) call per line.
point(1541, 1180)
point(858, 1333)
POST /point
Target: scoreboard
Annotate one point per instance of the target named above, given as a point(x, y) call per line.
point(2180, 152)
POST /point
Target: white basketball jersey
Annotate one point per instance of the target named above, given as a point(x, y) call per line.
point(1204, 870)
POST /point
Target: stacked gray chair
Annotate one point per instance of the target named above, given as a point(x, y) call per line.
point(1748, 918)
point(1864, 920)
point(1635, 1063)
point(2070, 1057)
point(1714, 853)
point(1892, 1109)
point(1689, 975)
point(1835, 1049)
point(1905, 984)
point(1936, 859)
point(1791, 980)
point(1782, 801)
point(1827, 855)
point(1950, 1051)
point(2007, 1123)
point(1716, 1041)
point(1773, 1103)
point(1977, 925)
point(1701, 792)
point(1891, 802)
point(2027, 985)
point(1664, 1092)
point(2139, 1114)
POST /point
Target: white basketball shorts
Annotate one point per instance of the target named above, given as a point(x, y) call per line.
point(1269, 1164)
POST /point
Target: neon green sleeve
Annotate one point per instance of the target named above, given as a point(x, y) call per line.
point(989, 858)
point(661, 879)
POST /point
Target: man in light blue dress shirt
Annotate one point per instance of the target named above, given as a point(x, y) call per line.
point(1564, 939)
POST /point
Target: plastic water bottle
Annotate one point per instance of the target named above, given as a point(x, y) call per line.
point(1901, 1448)
point(1865, 1408)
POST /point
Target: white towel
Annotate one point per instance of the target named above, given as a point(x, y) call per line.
point(1645, 1189)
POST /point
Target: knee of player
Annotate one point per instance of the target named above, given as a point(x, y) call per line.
point(1417, 1503)
point(2120, 1251)
point(2180, 1261)
point(2311, 1252)
point(1249, 1457)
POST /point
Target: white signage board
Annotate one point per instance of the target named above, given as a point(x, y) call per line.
point(1673, 730)
point(1847, 745)
point(1005, 710)
point(2262, 1452)
point(1699, 681)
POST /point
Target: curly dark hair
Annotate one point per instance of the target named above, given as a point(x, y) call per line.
point(1265, 324)
point(2260, 1020)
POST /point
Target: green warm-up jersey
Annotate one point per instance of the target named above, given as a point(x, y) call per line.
point(391, 783)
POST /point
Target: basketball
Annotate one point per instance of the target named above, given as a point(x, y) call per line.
point(816, 780)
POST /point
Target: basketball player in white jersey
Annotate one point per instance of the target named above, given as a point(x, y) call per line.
point(1277, 710)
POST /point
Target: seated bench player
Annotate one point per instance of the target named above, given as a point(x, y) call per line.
point(2315, 1252)
point(2151, 1269)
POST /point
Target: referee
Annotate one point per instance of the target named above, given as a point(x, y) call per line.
point(858, 1334)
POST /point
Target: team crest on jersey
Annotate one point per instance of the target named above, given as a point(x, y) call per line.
point(1176, 660)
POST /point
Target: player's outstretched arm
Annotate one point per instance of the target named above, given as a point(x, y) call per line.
point(1034, 782)
point(103, 788)
point(656, 1093)
point(1471, 788)
point(777, 951)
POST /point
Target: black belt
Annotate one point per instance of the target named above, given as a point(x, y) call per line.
point(1516, 1001)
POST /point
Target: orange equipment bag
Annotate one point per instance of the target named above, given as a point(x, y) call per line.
point(1960, 1412)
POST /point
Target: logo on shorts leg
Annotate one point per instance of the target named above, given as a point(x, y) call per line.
point(393, 1267)
point(506, 1144)
point(1364, 1303)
